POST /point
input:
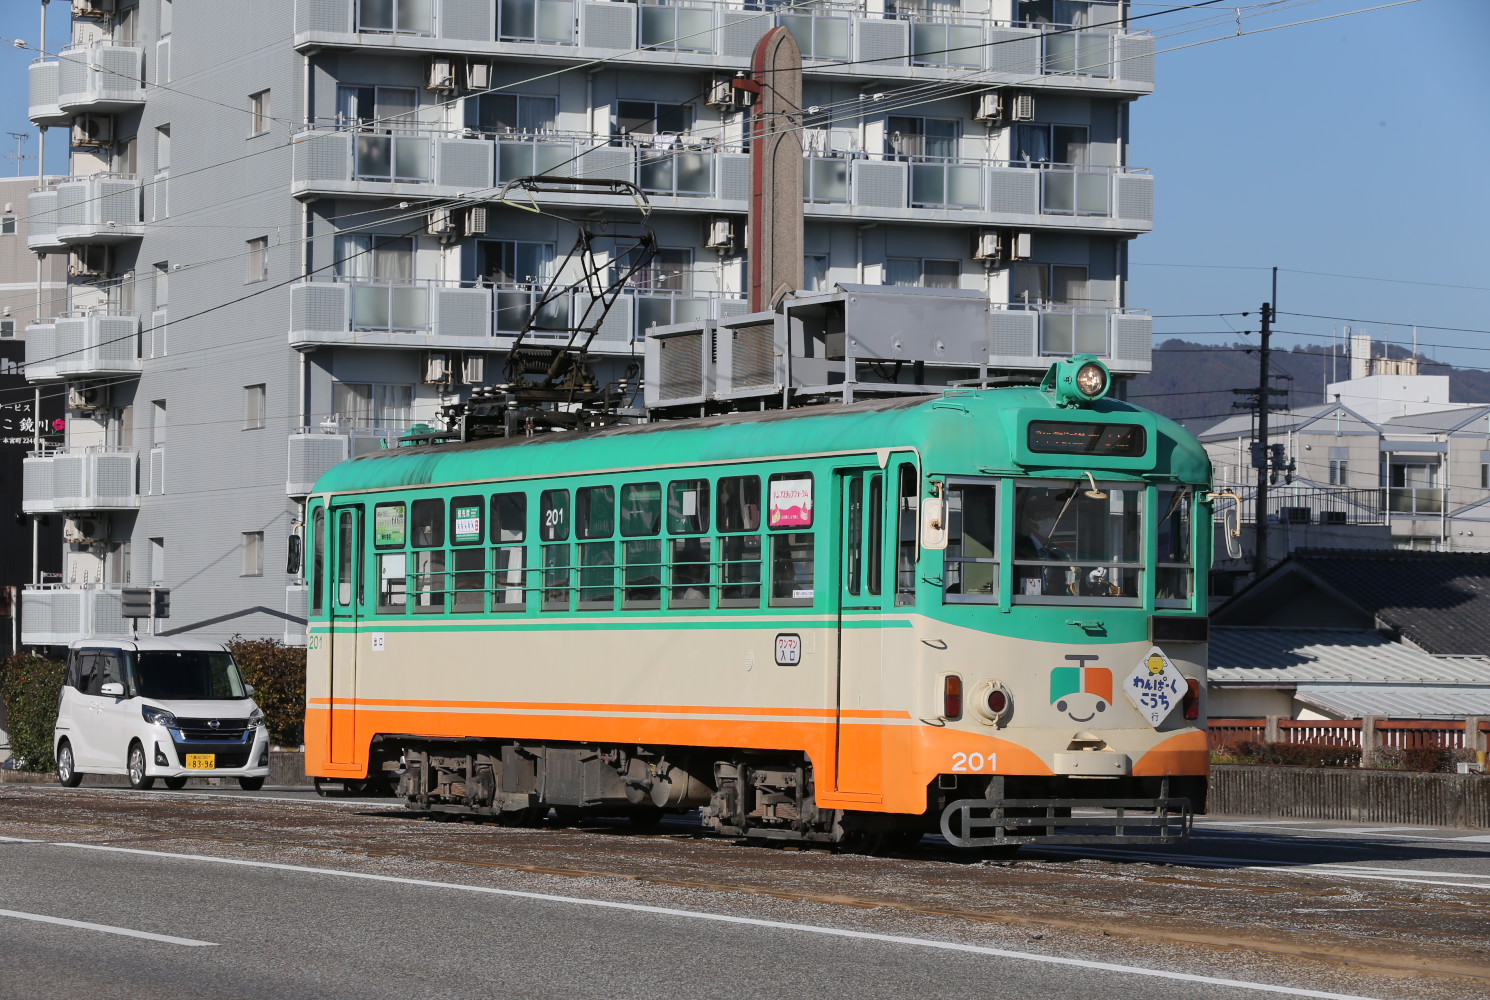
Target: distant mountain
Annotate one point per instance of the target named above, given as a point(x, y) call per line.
point(1192, 382)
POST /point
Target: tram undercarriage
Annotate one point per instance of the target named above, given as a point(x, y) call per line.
point(770, 795)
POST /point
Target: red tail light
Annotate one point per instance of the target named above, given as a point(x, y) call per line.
point(1191, 701)
point(998, 701)
point(952, 697)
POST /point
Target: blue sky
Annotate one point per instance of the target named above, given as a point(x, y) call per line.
point(1352, 146)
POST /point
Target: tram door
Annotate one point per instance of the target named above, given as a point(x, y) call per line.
point(346, 598)
point(862, 594)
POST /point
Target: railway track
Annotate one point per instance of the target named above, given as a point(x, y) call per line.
point(1361, 916)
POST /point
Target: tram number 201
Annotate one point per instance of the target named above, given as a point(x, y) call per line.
point(973, 762)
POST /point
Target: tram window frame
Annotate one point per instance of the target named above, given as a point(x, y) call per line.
point(956, 563)
point(690, 548)
point(596, 546)
point(1072, 555)
point(738, 523)
point(429, 583)
point(554, 515)
point(1171, 502)
point(509, 533)
point(907, 521)
point(640, 523)
point(874, 542)
point(795, 549)
point(466, 504)
point(427, 523)
point(398, 525)
point(318, 562)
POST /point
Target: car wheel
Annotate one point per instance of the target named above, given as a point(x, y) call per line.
point(138, 779)
point(250, 784)
point(67, 771)
point(175, 784)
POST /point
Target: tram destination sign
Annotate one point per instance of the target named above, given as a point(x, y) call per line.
point(1072, 437)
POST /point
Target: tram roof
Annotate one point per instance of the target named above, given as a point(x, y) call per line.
point(956, 427)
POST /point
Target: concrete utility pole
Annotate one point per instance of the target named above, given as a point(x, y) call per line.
point(1264, 404)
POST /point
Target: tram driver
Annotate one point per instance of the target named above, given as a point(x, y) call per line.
point(1038, 518)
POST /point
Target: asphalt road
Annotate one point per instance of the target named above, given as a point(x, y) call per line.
point(112, 893)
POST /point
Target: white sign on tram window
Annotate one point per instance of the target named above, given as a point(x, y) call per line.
point(1155, 687)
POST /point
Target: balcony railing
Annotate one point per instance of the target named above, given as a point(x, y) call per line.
point(1415, 500)
point(57, 614)
point(98, 208)
point(1018, 332)
point(83, 345)
point(105, 76)
point(76, 480)
point(903, 40)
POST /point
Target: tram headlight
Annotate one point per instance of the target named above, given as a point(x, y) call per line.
point(993, 702)
point(1078, 381)
point(1091, 379)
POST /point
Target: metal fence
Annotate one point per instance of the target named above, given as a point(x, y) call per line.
point(1403, 734)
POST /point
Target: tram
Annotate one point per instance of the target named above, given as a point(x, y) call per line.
point(979, 613)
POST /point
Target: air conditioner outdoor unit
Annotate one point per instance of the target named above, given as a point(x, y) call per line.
point(1020, 246)
point(92, 130)
point(986, 245)
point(441, 74)
point(721, 234)
point(724, 95)
point(473, 369)
point(988, 106)
point(436, 368)
point(92, 8)
point(441, 223)
point(1023, 109)
point(88, 261)
point(85, 529)
point(478, 75)
point(87, 397)
point(476, 220)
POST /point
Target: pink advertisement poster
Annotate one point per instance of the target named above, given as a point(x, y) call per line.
point(791, 503)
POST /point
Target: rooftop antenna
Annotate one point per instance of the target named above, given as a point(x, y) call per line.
point(20, 155)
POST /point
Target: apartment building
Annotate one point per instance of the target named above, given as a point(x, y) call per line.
point(286, 241)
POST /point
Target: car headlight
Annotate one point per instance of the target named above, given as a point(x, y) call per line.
point(256, 718)
point(157, 716)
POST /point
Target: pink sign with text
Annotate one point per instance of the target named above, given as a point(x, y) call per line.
point(791, 503)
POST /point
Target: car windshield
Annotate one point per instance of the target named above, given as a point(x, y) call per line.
point(187, 674)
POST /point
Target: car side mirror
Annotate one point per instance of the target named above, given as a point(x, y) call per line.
point(248, 689)
point(113, 689)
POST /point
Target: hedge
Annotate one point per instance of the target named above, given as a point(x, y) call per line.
point(30, 686)
point(277, 673)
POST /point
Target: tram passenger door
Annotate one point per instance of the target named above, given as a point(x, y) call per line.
point(862, 590)
point(346, 598)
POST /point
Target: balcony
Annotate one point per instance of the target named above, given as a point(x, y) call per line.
point(79, 480)
point(376, 312)
point(1415, 500)
point(83, 345)
point(99, 208)
point(103, 77)
point(57, 614)
point(890, 44)
point(313, 450)
point(425, 164)
point(1121, 337)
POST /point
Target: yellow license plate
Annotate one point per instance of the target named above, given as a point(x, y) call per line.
point(201, 761)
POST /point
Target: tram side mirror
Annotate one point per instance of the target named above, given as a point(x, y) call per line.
point(933, 523)
point(292, 556)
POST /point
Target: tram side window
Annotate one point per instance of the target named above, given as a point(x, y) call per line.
point(1174, 580)
point(594, 524)
point(553, 531)
point(345, 558)
point(431, 582)
point(792, 552)
point(318, 563)
point(739, 525)
point(467, 534)
point(509, 520)
point(687, 521)
point(390, 531)
point(641, 524)
point(971, 572)
point(908, 511)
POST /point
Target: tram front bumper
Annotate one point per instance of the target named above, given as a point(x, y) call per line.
point(995, 822)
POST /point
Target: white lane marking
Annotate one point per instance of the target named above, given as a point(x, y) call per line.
point(108, 929)
point(1469, 840)
point(1252, 822)
point(1370, 829)
point(1304, 867)
point(721, 918)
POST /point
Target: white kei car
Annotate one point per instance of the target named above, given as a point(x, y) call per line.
point(158, 708)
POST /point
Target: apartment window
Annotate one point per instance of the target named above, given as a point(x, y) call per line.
point(907, 137)
point(669, 270)
point(1056, 284)
point(162, 283)
point(922, 272)
point(815, 272)
point(258, 106)
point(125, 158)
point(376, 407)
point(253, 553)
point(1037, 143)
point(7, 329)
point(165, 18)
point(258, 259)
point(368, 255)
point(494, 114)
point(410, 16)
point(157, 560)
point(253, 406)
point(650, 118)
point(1339, 470)
point(7, 225)
point(157, 423)
point(1485, 476)
point(127, 23)
point(162, 148)
point(508, 262)
point(366, 107)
